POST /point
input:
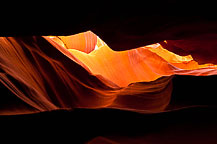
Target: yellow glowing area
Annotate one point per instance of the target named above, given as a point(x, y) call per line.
point(142, 64)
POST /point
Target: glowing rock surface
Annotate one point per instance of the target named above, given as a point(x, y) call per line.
point(142, 64)
point(81, 71)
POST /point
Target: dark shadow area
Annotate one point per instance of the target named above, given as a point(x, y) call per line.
point(190, 125)
point(124, 25)
point(194, 90)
